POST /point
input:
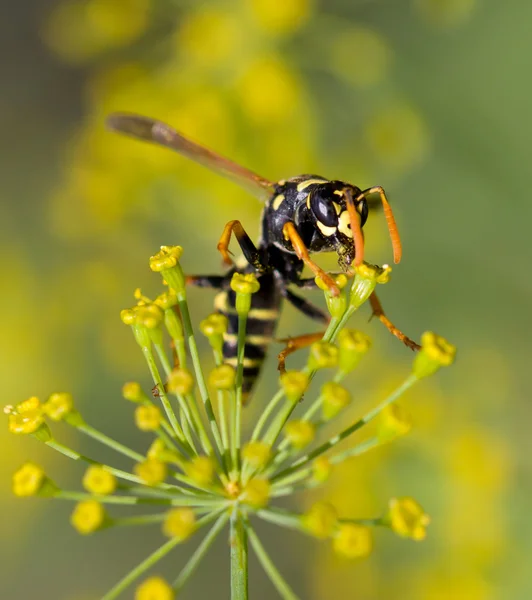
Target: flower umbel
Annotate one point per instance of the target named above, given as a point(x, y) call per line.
point(199, 469)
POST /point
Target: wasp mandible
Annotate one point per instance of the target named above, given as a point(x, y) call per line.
point(302, 215)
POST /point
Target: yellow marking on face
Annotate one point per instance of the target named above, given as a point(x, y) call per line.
point(327, 231)
point(247, 362)
point(337, 208)
point(304, 184)
point(256, 340)
point(344, 224)
point(277, 201)
point(281, 182)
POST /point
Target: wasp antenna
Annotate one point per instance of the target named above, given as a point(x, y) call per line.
point(356, 229)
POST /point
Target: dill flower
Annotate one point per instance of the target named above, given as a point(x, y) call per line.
point(200, 470)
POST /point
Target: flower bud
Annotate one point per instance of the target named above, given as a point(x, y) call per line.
point(88, 517)
point(133, 392)
point(166, 261)
point(353, 540)
point(321, 469)
point(394, 422)
point(257, 454)
point(213, 328)
point(435, 352)
point(154, 588)
point(180, 381)
point(320, 521)
point(179, 523)
point(201, 470)
point(162, 453)
point(31, 480)
point(335, 304)
point(173, 324)
point(353, 345)
point(299, 433)
point(335, 398)
point(27, 417)
point(322, 355)
point(166, 300)
point(148, 417)
point(294, 384)
point(223, 377)
point(244, 284)
point(152, 471)
point(58, 406)
point(407, 519)
point(366, 278)
point(97, 480)
point(257, 493)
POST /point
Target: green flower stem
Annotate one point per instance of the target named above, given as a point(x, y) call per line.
point(407, 384)
point(200, 552)
point(148, 355)
point(239, 557)
point(276, 578)
point(357, 450)
point(138, 520)
point(237, 423)
point(109, 442)
point(163, 357)
point(266, 413)
point(222, 397)
point(283, 518)
point(204, 392)
point(152, 559)
point(215, 503)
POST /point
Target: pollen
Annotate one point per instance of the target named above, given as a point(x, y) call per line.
point(97, 480)
point(179, 523)
point(28, 480)
point(154, 588)
point(88, 516)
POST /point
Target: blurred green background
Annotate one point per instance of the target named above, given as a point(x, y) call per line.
point(428, 98)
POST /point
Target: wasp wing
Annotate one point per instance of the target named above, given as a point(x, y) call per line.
point(150, 130)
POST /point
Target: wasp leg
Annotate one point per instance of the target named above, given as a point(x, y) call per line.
point(248, 247)
point(378, 312)
point(206, 281)
point(294, 344)
point(290, 233)
point(306, 307)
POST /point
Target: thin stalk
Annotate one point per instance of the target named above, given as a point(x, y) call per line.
point(237, 426)
point(239, 557)
point(271, 570)
point(109, 442)
point(135, 500)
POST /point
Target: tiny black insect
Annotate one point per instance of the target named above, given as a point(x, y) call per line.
point(302, 215)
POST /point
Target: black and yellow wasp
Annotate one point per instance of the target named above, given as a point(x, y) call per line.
point(302, 215)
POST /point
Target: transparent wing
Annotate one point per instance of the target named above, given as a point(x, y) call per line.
point(150, 130)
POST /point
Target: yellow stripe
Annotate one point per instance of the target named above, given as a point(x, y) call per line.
point(247, 362)
point(220, 302)
point(277, 201)
point(256, 340)
point(304, 184)
point(261, 314)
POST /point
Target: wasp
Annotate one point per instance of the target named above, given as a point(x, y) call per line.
point(303, 215)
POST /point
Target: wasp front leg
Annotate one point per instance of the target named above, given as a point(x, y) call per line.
point(248, 248)
point(378, 312)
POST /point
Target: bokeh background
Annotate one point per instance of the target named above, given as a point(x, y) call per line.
point(429, 98)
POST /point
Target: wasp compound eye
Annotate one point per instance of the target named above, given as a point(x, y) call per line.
point(323, 210)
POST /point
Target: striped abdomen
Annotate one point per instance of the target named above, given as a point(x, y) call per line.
point(261, 324)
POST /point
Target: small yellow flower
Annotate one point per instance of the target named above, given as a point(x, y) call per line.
point(366, 278)
point(244, 283)
point(394, 422)
point(58, 406)
point(133, 392)
point(180, 381)
point(336, 305)
point(154, 588)
point(257, 454)
point(179, 523)
point(407, 518)
point(294, 384)
point(223, 377)
point(299, 433)
point(149, 316)
point(257, 493)
point(148, 417)
point(320, 521)
point(152, 471)
point(26, 417)
point(88, 516)
point(435, 352)
point(128, 316)
point(321, 469)
point(97, 480)
point(166, 258)
point(166, 300)
point(323, 355)
point(335, 398)
point(201, 470)
point(28, 480)
point(215, 324)
point(353, 540)
point(353, 346)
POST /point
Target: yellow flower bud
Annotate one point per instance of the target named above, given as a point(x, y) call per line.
point(335, 398)
point(294, 384)
point(28, 480)
point(257, 454)
point(435, 352)
point(323, 355)
point(335, 304)
point(27, 417)
point(244, 283)
point(133, 392)
point(162, 453)
point(353, 540)
point(149, 316)
point(148, 417)
point(299, 433)
point(166, 300)
point(152, 471)
point(394, 422)
point(366, 278)
point(320, 521)
point(407, 518)
point(88, 517)
point(223, 377)
point(58, 406)
point(166, 258)
point(321, 469)
point(215, 324)
point(97, 480)
point(201, 470)
point(180, 381)
point(154, 588)
point(173, 324)
point(128, 316)
point(257, 493)
point(179, 523)
point(353, 346)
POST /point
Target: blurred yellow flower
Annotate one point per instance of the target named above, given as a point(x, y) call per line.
point(353, 540)
point(281, 17)
point(154, 588)
point(407, 518)
point(88, 516)
point(97, 480)
point(28, 480)
point(179, 523)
